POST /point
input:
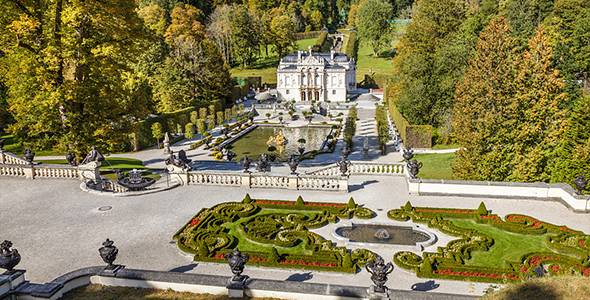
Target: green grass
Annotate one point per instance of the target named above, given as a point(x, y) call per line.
point(436, 166)
point(110, 164)
point(508, 247)
point(368, 63)
point(11, 144)
point(445, 146)
point(266, 66)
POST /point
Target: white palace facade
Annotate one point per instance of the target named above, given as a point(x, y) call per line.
point(313, 76)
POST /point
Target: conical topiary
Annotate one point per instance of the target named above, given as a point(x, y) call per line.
point(274, 255)
point(299, 201)
point(408, 206)
point(247, 199)
point(346, 261)
point(426, 267)
point(203, 250)
point(482, 209)
point(351, 203)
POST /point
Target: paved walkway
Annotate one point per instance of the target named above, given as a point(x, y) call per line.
point(57, 228)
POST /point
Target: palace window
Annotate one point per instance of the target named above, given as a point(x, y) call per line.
point(333, 92)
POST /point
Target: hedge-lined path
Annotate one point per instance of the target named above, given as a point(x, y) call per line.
point(57, 228)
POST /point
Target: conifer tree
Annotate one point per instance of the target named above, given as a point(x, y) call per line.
point(484, 110)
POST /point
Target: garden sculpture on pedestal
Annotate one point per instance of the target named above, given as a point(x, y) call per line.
point(93, 156)
point(263, 163)
point(108, 252)
point(29, 155)
point(246, 162)
point(166, 143)
point(344, 165)
point(9, 258)
point(293, 164)
point(581, 182)
point(172, 160)
point(237, 260)
point(414, 168)
point(379, 271)
point(408, 154)
point(182, 157)
point(71, 159)
point(230, 155)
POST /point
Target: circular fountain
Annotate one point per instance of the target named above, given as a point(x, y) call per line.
point(135, 182)
point(384, 234)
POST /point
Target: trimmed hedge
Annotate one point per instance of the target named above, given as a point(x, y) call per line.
point(352, 45)
point(215, 231)
point(413, 136)
point(307, 35)
point(320, 42)
point(572, 247)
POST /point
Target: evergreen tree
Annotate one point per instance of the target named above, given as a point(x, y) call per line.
point(541, 116)
point(484, 117)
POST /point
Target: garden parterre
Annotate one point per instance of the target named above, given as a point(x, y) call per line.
point(564, 251)
point(274, 233)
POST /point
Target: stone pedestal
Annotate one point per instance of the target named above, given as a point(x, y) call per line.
point(246, 177)
point(293, 182)
point(29, 172)
point(9, 280)
point(378, 295)
point(2, 157)
point(343, 184)
point(236, 287)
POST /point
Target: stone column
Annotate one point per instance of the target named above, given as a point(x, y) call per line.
point(246, 180)
point(293, 182)
point(343, 184)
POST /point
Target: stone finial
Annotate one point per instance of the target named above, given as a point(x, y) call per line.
point(9, 258)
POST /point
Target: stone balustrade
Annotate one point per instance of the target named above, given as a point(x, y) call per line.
point(114, 187)
point(363, 168)
point(55, 171)
point(203, 178)
point(11, 159)
point(269, 181)
point(12, 170)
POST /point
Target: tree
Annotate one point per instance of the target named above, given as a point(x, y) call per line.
point(524, 16)
point(541, 98)
point(70, 69)
point(351, 21)
point(484, 114)
point(219, 29)
point(244, 35)
point(210, 122)
point(194, 117)
point(201, 127)
point(220, 117)
point(372, 21)
point(283, 36)
point(157, 132)
point(189, 131)
point(202, 113)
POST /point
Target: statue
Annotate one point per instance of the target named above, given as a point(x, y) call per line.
point(172, 160)
point(408, 154)
point(230, 155)
point(414, 168)
point(29, 155)
point(166, 143)
point(379, 271)
point(93, 156)
point(237, 260)
point(293, 164)
point(344, 165)
point(581, 182)
point(246, 162)
point(263, 163)
point(9, 258)
point(71, 159)
point(108, 252)
point(182, 157)
point(366, 147)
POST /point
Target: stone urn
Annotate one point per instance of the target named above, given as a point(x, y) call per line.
point(108, 252)
point(414, 168)
point(246, 162)
point(237, 260)
point(379, 271)
point(408, 154)
point(293, 164)
point(9, 258)
point(344, 166)
point(581, 183)
point(29, 155)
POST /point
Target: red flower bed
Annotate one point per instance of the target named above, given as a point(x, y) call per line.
point(195, 222)
point(274, 202)
point(555, 268)
point(535, 260)
point(308, 263)
point(586, 272)
point(475, 274)
point(582, 243)
point(524, 269)
point(445, 211)
point(490, 217)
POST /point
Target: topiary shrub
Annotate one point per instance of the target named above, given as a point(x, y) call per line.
point(299, 201)
point(426, 268)
point(482, 210)
point(247, 199)
point(408, 206)
point(274, 255)
point(203, 250)
point(346, 260)
point(351, 203)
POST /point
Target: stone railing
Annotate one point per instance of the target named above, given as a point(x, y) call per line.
point(39, 171)
point(13, 170)
point(259, 180)
point(11, 159)
point(363, 168)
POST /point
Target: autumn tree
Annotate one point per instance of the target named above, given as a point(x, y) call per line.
point(69, 65)
point(484, 115)
point(283, 36)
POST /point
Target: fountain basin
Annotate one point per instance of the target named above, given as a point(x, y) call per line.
point(366, 234)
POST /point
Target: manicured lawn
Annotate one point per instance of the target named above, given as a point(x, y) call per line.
point(367, 63)
point(266, 67)
point(110, 164)
point(445, 146)
point(101, 292)
point(11, 144)
point(508, 247)
point(436, 166)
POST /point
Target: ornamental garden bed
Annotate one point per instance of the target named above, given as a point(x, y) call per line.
point(492, 249)
point(273, 233)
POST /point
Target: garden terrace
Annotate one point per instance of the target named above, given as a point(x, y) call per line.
point(274, 233)
point(491, 249)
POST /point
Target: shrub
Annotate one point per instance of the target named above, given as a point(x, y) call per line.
point(201, 126)
point(247, 199)
point(346, 260)
point(408, 206)
point(321, 40)
point(220, 117)
point(351, 203)
point(157, 132)
point(274, 255)
point(202, 113)
point(299, 201)
point(189, 131)
point(482, 210)
point(194, 117)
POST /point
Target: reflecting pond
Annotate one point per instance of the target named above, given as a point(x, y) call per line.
point(382, 234)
